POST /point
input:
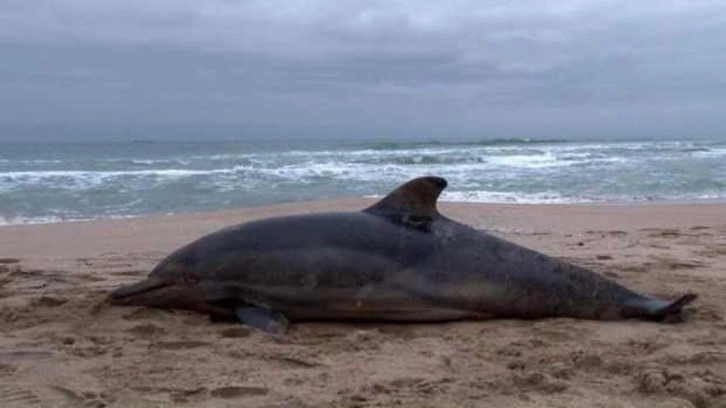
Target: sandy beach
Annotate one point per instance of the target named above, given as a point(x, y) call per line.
point(61, 346)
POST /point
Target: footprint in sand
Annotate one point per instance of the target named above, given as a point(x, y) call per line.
point(12, 396)
point(294, 362)
point(635, 268)
point(146, 330)
point(603, 234)
point(84, 262)
point(236, 332)
point(672, 263)
point(665, 233)
point(238, 392)
point(130, 273)
point(18, 396)
point(12, 353)
point(712, 251)
point(179, 345)
point(90, 277)
point(81, 400)
point(702, 389)
point(6, 370)
point(48, 301)
point(145, 313)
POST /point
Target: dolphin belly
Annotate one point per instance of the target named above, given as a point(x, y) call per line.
point(373, 302)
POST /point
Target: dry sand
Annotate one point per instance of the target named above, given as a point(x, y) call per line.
point(61, 346)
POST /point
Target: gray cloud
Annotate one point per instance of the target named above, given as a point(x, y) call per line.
point(362, 68)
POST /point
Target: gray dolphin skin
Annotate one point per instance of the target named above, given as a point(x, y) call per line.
point(398, 260)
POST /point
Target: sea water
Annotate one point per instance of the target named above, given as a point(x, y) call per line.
point(46, 182)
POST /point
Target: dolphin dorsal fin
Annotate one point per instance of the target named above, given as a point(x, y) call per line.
point(416, 197)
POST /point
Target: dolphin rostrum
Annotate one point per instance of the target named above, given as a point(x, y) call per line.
point(398, 260)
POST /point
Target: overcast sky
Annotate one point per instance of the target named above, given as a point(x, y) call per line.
point(376, 69)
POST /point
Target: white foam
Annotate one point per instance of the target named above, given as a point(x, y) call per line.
point(19, 220)
point(536, 161)
point(713, 152)
point(52, 219)
point(504, 197)
point(501, 197)
point(84, 173)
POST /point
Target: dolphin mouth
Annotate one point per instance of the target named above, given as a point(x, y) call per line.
point(128, 295)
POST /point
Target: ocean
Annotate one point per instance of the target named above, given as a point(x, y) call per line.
point(50, 182)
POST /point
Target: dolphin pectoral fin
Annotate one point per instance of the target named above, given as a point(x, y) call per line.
point(263, 319)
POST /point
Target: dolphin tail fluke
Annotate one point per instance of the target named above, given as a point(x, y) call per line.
point(136, 294)
point(659, 310)
point(675, 306)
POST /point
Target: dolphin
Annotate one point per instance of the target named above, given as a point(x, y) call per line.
point(397, 260)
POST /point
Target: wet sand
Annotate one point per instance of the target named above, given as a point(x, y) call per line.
point(61, 346)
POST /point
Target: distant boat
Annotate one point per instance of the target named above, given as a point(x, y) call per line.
point(143, 141)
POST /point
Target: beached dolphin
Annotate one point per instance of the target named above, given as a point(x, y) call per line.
point(398, 260)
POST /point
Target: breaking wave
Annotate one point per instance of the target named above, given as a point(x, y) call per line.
point(94, 181)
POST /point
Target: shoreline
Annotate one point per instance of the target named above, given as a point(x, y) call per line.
point(63, 346)
point(371, 199)
point(168, 231)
